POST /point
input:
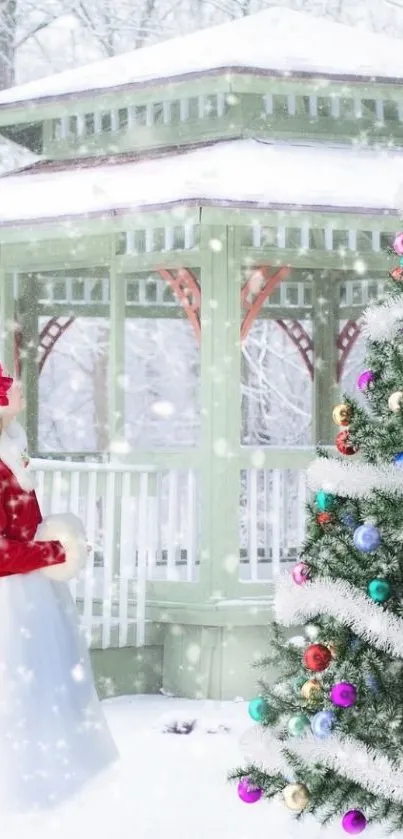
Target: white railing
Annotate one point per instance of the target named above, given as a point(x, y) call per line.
point(272, 521)
point(142, 524)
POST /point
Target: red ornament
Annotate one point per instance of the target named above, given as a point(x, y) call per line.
point(324, 518)
point(344, 444)
point(317, 657)
point(5, 384)
point(396, 274)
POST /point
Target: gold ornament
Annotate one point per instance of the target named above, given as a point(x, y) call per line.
point(342, 415)
point(311, 689)
point(296, 797)
point(332, 649)
point(395, 401)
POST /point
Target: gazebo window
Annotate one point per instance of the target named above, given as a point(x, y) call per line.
point(123, 119)
point(106, 121)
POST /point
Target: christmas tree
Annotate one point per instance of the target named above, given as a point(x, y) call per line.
point(328, 736)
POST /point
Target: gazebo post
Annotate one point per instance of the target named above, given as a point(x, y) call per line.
point(7, 318)
point(325, 331)
point(221, 407)
point(116, 367)
point(29, 323)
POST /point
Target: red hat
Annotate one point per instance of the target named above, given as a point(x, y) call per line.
point(5, 384)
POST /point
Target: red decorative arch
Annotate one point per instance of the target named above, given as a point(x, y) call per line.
point(345, 342)
point(186, 289)
point(299, 336)
point(256, 290)
point(51, 332)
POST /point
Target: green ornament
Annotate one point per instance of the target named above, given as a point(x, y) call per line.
point(401, 261)
point(297, 684)
point(379, 590)
point(258, 708)
point(297, 724)
point(325, 501)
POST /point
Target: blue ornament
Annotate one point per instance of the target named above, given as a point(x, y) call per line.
point(325, 501)
point(258, 708)
point(367, 538)
point(323, 723)
point(373, 684)
point(349, 520)
point(398, 460)
point(379, 590)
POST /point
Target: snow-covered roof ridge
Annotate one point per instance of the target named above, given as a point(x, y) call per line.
point(241, 173)
point(277, 41)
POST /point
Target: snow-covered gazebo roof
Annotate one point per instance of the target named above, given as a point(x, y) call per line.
point(241, 173)
point(275, 41)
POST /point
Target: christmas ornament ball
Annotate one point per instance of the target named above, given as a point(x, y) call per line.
point(325, 501)
point(342, 415)
point(379, 590)
point(398, 244)
point(349, 521)
point(247, 792)
point(343, 694)
point(296, 797)
point(365, 379)
point(324, 518)
point(367, 538)
point(354, 822)
point(311, 689)
point(398, 460)
point(257, 708)
point(323, 723)
point(344, 444)
point(317, 657)
point(300, 573)
point(297, 725)
point(395, 401)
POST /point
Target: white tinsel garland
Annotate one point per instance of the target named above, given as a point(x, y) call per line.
point(338, 599)
point(382, 322)
point(353, 480)
point(345, 755)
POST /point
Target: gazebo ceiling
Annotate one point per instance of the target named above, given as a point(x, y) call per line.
point(238, 173)
point(274, 42)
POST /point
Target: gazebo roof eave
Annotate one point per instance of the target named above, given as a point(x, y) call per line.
point(199, 203)
point(165, 81)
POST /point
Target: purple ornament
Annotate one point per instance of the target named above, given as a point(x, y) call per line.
point(249, 793)
point(398, 244)
point(365, 379)
point(343, 694)
point(354, 822)
point(300, 573)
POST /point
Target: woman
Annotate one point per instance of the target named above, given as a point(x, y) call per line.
point(53, 735)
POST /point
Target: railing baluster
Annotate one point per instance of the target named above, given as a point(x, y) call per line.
point(252, 496)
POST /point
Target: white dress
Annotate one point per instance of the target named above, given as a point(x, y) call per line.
point(53, 734)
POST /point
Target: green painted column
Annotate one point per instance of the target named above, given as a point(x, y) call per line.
point(7, 319)
point(116, 402)
point(325, 330)
point(28, 306)
point(221, 408)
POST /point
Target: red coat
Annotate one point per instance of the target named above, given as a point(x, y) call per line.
point(19, 518)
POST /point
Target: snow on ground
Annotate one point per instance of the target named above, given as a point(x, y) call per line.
point(276, 39)
point(241, 171)
point(170, 785)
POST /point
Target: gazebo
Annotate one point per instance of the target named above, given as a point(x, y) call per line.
point(242, 178)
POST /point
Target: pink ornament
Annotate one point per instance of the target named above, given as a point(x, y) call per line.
point(343, 694)
point(365, 379)
point(247, 792)
point(398, 244)
point(354, 822)
point(300, 573)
